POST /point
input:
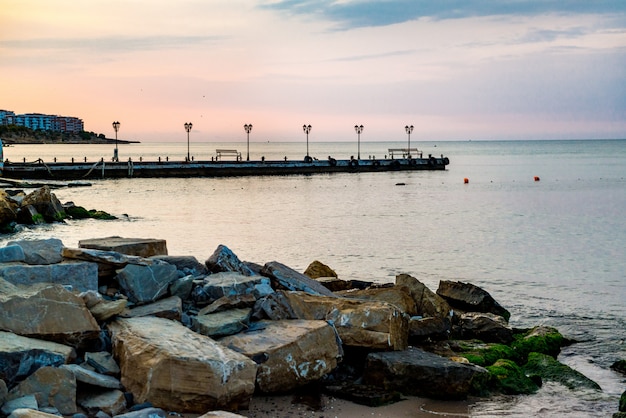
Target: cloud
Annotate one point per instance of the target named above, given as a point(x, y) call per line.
point(363, 13)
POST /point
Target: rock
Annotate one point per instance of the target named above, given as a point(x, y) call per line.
point(41, 251)
point(541, 339)
point(78, 275)
point(289, 353)
point(182, 287)
point(8, 208)
point(550, 369)
point(140, 247)
point(292, 280)
point(22, 356)
point(103, 363)
point(4, 391)
point(224, 260)
point(51, 386)
point(619, 366)
point(622, 402)
point(427, 302)
point(28, 215)
point(45, 203)
point(145, 413)
point(334, 284)
point(222, 323)
point(176, 369)
point(431, 328)
point(398, 296)
point(107, 309)
point(11, 253)
point(486, 327)
point(92, 378)
point(229, 302)
point(369, 324)
point(419, 373)
point(317, 269)
point(187, 265)
point(30, 413)
point(482, 354)
point(220, 414)
point(510, 378)
point(111, 258)
point(111, 402)
point(48, 312)
point(369, 395)
point(232, 284)
point(145, 284)
point(26, 402)
point(169, 308)
point(470, 298)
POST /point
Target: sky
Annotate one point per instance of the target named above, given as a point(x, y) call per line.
point(455, 69)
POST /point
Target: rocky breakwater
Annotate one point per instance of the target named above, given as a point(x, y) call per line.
point(38, 207)
point(117, 327)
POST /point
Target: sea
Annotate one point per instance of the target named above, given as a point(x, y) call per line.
point(540, 225)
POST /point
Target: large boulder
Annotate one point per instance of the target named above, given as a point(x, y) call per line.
point(511, 379)
point(41, 251)
point(290, 279)
point(176, 369)
point(52, 387)
point(223, 260)
point(8, 208)
point(47, 311)
point(470, 298)
point(11, 253)
point(429, 328)
point(486, 327)
point(419, 373)
point(145, 284)
point(427, 302)
point(46, 203)
point(360, 323)
point(396, 295)
point(550, 369)
point(289, 353)
point(187, 265)
point(140, 247)
point(22, 356)
point(79, 276)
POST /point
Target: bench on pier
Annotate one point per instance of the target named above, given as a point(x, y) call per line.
point(219, 153)
point(405, 152)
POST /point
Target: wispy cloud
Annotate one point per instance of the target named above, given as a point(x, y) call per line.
point(362, 13)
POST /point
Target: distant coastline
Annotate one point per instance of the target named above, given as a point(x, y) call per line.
point(12, 135)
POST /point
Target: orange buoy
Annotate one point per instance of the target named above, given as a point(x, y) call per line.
point(537, 178)
point(465, 180)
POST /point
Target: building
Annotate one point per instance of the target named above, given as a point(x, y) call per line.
point(41, 121)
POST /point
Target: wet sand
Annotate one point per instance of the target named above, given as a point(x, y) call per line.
point(284, 406)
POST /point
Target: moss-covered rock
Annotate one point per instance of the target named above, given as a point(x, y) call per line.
point(619, 366)
point(622, 402)
point(79, 212)
point(541, 339)
point(510, 379)
point(483, 354)
point(102, 215)
point(548, 368)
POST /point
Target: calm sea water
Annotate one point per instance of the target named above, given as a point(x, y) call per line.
point(552, 251)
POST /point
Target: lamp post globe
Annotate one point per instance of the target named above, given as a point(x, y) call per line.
point(188, 126)
point(409, 129)
point(248, 128)
point(116, 127)
point(307, 129)
point(358, 129)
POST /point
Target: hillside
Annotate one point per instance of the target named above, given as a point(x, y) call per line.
point(13, 134)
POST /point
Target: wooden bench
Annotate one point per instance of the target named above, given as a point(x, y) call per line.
point(413, 152)
point(219, 153)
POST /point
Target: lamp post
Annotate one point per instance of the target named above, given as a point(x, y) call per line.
point(116, 127)
point(248, 128)
point(408, 130)
point(188, 126)
point(358, 130)
point(307, 129)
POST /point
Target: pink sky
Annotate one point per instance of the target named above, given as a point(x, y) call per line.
point(463, 73)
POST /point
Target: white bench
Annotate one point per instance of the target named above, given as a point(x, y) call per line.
point(219, 153)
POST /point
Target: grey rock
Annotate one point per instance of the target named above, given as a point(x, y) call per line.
point(224, 260)
point(92, 378)
point(41, 251)
point(486, 327)
point(169, 308)
point(144, 284)
point(222, 323)
point(144, 413)
point(419, 373)
point(25, 402)
point(182, 287)
point(103, 362)
point(293, 280)
point(187, 265)
point(232, 284)
point(3, 391)
point(470, 298)
point(11, 253)
point(52, 387)
point(110, 402)
point(22, 356)
point(430, 328)
point(141, 247)
point(79, 276)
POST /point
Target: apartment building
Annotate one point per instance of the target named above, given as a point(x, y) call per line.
point(42, 121)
